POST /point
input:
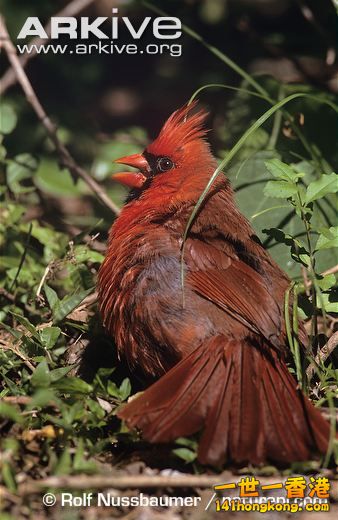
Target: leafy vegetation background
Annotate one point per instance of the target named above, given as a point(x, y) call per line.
point(60, 380)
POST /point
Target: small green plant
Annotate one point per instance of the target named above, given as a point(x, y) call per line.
point(289, 182)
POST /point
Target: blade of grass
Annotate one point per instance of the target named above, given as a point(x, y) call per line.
point(259, 122)
point(255, 215)
point(23, 257)
point(287, 316)
point(332, 440)
point(276, 123)
point(229, 87)
point(296, 350)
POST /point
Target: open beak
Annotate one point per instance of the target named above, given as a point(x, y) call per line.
point(132, 179)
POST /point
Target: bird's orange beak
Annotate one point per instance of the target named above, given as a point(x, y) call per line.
point(132, 179)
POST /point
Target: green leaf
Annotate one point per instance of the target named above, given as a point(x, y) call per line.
point(125, 389)
point(298, 249)
point(41, 375)
point(112, 389)
point(13, 213)
point(68, 304)
point(321, 187)
point(73, 385)
point(49, 336)
point(9, 411)
point(8, 119)
point(84, 254)
point(51, 296)
point(59, 373)
point(328, 302)
point(27, 324)
point(328, 239)
point(41, 398)
point(64, 464)
point(20, 168)
point(3, 154)
point(50, 179)
point(95, 408)
point(50, 238)
point(185, 454)
point(326, 282)
point(279, 189)
point(254, 205)
point(190, 443)
point(80, 462)
point(8, 476)
point(282, 171)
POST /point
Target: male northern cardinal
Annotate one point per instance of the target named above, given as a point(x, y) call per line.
point(219, 350)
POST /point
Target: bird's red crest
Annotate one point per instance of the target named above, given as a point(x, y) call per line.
point(179, 129)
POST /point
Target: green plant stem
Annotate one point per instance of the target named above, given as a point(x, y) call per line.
point(229, 87)
point(296, 351)
point(23, 257)
point(287, 316)
point(314, 288)
point(332, 432)
point(276, 123)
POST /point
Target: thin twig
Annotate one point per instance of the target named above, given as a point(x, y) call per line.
point(42, 281)
point(119, 482)
point(66, 160)
point(123, 482)
point(323, 354)
point(71, 9)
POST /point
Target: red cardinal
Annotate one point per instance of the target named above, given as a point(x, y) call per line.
point(219, 349)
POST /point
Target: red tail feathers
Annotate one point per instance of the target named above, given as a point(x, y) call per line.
point(243, 399)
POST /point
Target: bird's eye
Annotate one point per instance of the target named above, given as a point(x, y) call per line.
point(164, 164)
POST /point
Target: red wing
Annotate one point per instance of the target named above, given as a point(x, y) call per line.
point(236, 288)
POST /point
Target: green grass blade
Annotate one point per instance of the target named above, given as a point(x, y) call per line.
point(228, 87)
point(287, 317)
point(296, 348)
point(280, 206)
point(260, 121)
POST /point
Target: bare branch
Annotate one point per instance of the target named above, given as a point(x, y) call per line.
point(124, 482)
point(66, 160)
point(71, 9)
point(323, 354)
